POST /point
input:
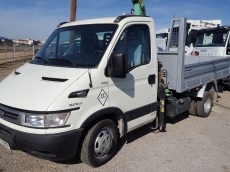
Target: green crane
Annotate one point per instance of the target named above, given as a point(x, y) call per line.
point(139, 7)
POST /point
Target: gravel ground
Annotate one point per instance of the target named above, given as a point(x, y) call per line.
point(7, 68)
point(189, 144)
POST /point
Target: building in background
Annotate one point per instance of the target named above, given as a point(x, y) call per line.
point(5, 40)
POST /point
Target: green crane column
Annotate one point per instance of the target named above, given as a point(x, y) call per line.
point(139, 7)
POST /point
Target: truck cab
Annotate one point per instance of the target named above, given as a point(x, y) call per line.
point(213, 41)
point(193, 26)
point(92, 82)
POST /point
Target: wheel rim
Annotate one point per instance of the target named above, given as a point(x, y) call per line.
point(103, 143)
point(207, 105)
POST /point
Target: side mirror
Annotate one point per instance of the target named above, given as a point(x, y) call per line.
point(117, 65)
point(189, 40)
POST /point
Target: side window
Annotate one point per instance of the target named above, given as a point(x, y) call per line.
point(138, 45)
point(135, 41)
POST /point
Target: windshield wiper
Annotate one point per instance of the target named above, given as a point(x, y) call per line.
point(65, 60)
point(40, 58)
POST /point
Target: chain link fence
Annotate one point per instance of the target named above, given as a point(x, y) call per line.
point(10, 52)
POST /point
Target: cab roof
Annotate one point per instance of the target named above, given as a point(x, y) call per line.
point(110, 20)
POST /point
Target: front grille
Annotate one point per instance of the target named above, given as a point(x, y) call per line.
point(9, 114)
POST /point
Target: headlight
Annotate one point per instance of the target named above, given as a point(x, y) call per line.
point(44, 121)
point(34, 120)
point(56, 120)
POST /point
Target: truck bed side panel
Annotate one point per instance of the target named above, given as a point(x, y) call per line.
point(195, 74)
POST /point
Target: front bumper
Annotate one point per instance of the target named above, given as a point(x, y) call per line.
point(56, 147)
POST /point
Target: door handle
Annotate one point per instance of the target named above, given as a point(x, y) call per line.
point(152, 79)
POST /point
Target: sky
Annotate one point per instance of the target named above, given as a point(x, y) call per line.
point(37, 19)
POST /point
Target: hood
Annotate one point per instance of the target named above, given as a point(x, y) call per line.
point(35, 87)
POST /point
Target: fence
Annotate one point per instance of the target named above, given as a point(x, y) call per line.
point(11, 52)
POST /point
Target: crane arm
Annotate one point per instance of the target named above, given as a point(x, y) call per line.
point(139, 7)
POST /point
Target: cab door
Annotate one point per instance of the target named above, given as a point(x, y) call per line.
point(136, 95)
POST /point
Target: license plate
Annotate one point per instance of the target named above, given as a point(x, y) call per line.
point(5, 144)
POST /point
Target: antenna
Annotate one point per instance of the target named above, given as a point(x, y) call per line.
point(89, 70)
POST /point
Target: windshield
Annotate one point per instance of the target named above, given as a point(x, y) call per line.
point(76, 46)
point(211, 38)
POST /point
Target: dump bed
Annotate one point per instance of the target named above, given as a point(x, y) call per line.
point(187, 72)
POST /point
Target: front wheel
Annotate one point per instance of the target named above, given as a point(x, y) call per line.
point(100, 143)
point(204, 106)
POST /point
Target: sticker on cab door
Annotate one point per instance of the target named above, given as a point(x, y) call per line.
point(102, 97)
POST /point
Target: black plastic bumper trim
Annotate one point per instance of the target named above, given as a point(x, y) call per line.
point(56, 147)
point(141, 111)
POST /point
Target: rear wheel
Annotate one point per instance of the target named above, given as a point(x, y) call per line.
point(192, 109)
point(100, 143)
point(204, 106)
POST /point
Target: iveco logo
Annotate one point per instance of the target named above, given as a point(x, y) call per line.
point(1, 112)
point(203, 50)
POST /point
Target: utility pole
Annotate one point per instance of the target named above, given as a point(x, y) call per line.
point(73, 7)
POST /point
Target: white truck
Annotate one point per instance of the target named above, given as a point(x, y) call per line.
point(214, 43)
point(192, 27)
point(93, 81)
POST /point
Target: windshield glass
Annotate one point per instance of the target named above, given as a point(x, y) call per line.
point(77, 46)
point(211, 38)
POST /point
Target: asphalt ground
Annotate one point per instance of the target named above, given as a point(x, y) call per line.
point(190, 143)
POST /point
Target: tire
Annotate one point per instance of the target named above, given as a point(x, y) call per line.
point(192, 109)
point(204, 106)
point(100, 143)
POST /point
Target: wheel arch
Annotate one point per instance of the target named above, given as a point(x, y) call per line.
point(199, 92)
point(113, 113)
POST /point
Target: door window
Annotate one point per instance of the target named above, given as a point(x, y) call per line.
point(135, 42)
